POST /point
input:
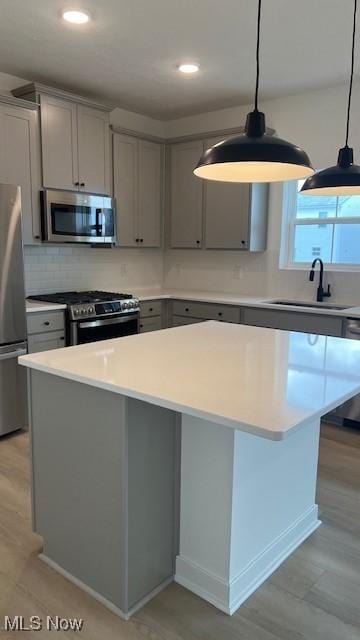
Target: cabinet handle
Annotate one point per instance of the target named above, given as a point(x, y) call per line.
point(46, 323)
point(62, 338)
point(197, 241)
point(150, 308)
point(141, 326)
point(187, 309)
point(136, 239)
point(37, 237)
point(82, 184)
point(220, 313)
point(76, 184)
point(141, 239)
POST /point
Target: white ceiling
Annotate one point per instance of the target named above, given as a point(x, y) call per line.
point(128, 54)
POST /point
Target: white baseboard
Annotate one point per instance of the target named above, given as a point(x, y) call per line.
point(107, 603)
point(228, 596)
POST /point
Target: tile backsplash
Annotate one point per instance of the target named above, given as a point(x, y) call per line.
point(50, 269)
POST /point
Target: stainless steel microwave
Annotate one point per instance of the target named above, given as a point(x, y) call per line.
point(70, 216)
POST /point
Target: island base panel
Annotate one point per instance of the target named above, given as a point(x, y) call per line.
point(104, 489)
point(246, 504)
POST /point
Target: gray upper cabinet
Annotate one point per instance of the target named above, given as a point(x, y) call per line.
point(94, 149)
point(186, 196)
point(214, 215)
point(150, 193)
point(20, 162)
point(138, 191)
point(59, 143)
point(235, 214)
point(75, 146)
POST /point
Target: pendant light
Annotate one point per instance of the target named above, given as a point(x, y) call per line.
point(344, 178)
point(254, 156)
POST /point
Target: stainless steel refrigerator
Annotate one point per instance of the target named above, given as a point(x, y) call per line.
point(13, 404)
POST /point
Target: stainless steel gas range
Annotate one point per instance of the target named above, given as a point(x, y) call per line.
point(96, 315)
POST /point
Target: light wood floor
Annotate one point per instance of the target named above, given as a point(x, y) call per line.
point(315, 595)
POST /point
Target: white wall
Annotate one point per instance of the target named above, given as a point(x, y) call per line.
point(314, 121)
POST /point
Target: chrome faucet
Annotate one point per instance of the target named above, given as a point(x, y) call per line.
point(321, 294)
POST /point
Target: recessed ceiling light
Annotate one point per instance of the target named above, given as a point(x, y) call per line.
point(76, 16)
point(189, 67)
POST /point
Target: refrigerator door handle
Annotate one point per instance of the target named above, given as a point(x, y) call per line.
point(13, 354)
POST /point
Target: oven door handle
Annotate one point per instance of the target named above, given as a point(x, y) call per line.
point(100, 323)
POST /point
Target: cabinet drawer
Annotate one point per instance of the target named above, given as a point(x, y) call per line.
point(46, 341)
point(206, 311)
point(44, 321)
point(293, 321)
point(178, 321)
point(150, 308)
point(150, 324)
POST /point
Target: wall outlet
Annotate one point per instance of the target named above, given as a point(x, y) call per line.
point(238, 272)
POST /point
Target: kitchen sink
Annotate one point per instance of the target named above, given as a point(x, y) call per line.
point(313, 305)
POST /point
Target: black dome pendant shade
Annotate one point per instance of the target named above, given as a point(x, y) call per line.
point(343, 179)
point(254, 156)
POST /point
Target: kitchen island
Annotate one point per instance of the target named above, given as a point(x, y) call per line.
point(187, 454)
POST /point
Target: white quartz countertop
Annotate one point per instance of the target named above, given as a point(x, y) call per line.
point(214, 297)
point(246, 301)
point(263, 381)
point(35, 307)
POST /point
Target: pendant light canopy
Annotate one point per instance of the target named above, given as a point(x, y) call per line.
point(343, 179)
point(254, 156)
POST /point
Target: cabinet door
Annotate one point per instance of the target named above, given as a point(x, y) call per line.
point(46, 341)
point(226, 213)
point(59, 143)
point(20, 163)
point(150, 324)
point(94, 150)
point(125, 151)
point(186, 196)
point(149, 211)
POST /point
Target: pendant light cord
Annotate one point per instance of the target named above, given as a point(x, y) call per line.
point(351, 75)
point(257, 55)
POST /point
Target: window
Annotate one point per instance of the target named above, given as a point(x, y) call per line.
point(320, 227)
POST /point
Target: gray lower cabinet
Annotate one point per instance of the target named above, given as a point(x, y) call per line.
point(293, 321)
point(188, 312)
point(46, 330)
point(110, 520)
point(179, 321)
point(151, 316)
point(46, 341)
point(150, 324)
point(184, 312)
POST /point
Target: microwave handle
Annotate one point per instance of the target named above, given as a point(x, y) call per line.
point(100, 216)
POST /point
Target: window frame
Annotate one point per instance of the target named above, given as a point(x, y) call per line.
point(288, 225)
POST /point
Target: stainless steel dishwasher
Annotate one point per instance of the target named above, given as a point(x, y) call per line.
point(348, 413)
